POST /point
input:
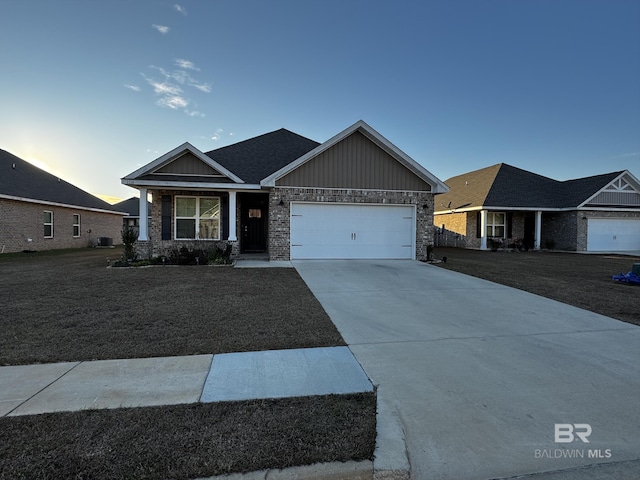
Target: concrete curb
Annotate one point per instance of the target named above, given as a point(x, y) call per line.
point(391, 461)
point(318, 471)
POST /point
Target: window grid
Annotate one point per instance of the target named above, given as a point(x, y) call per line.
point(76, 225)
point(48, 224)
point(496, 222)
point(197, 218)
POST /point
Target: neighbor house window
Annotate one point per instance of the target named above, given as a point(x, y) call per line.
point(495, 224)
point(76, 225)
point(197, 218)
point(48, 224)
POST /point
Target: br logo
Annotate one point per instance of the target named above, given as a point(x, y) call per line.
point(567, 432)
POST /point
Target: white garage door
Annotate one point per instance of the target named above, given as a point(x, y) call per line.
point(613, 235)
point(320, 230)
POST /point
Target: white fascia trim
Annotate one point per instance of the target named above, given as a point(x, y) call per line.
point(169, 156)
point(64, 205)
point(437, 185)
point(502, 209)
point(285, 187)
point(626, 173)
point(611, 209)
point(189, 185)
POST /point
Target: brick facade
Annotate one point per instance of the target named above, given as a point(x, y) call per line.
point(156, 247)
point(561, 230)
point(21, 221)
point(279, 215)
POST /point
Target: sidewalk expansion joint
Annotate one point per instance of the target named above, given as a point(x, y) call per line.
point(42, 389)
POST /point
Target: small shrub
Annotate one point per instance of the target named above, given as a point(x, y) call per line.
point(129, 238)
point(494, 244)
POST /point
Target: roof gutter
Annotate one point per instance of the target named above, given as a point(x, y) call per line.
point(57, 204)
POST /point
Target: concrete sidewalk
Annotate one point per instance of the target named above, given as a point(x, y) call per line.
point(70, 386)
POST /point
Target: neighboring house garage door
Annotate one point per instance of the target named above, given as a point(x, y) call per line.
point(613, 234)
point(320, 230)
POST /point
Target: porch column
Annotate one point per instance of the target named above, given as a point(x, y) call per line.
point(483, 229)
point(536, 244)
point(143, 223)
point(232, 217)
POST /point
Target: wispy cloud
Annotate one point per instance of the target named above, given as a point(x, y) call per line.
point(186, 64)
point(174, 102)
point(216, 136)
point(203, 87)
point(180, 9)
point(170, 88)
point(163, 29)
point(135, 88)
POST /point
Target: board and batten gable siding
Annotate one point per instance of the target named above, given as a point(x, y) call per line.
point(354, 162)
point(188, 164)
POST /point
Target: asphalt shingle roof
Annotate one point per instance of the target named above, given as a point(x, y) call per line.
point(503, 185)
point(131, 206)
point(28, 181)
point(258, 157)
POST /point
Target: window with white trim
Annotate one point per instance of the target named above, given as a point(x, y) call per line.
point(197, 218)
point(76, 225)
point(48, 224)
point(496, 224)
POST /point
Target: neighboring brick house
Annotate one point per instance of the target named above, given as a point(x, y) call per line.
point(506, 206)
point(132, 208)
point(354, 196)
point(39, 211)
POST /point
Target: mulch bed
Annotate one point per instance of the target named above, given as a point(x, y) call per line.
point(581, 280)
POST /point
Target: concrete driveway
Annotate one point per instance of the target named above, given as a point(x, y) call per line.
point(480, 374)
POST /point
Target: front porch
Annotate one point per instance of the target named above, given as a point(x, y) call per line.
point(195, 219)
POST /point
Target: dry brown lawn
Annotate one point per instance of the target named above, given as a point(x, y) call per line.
point(582, 280)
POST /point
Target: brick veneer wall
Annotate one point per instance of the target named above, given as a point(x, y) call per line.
point(455, 230)
point(279, 215)
point(155, 246)
point(20, 221)
point(560, 230)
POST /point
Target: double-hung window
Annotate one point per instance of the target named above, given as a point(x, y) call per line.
point(496, 224)
point(197, 218)
point(48, 224)
point(76, 225)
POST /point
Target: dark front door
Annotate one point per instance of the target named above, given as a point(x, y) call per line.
point(253, 222)
point(529, 231)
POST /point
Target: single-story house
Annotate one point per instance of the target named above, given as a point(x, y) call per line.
point(354, 196)
point(39, 211)
point(132, 208)
point(505, 206)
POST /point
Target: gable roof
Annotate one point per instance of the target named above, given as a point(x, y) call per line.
point(258, 157)
point(437, 186)
point(144, 175)
point(22, 181)
point(509, 187)
point(132, 206)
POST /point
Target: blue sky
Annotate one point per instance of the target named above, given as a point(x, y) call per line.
point(94, 90)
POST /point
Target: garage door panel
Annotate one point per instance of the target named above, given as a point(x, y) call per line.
point(613, 234)
point(352, 231)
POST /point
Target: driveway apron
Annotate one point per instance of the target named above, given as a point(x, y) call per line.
point(489, 381)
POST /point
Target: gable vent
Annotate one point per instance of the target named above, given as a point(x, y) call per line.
point(621, 198)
